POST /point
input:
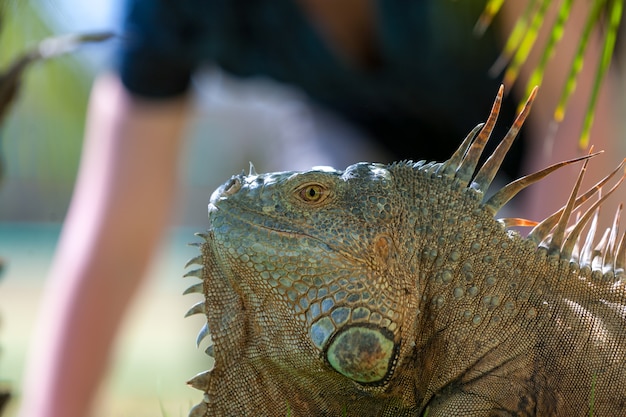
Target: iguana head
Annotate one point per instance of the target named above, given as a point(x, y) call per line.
point(314, 281)
point(316, 247)
point(310, 259)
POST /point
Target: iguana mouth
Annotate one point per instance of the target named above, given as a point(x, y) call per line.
point(280, 231)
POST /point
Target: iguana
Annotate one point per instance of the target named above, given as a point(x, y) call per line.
point(391, 290)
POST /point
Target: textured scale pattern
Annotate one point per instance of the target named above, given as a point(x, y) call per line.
point(392, 290)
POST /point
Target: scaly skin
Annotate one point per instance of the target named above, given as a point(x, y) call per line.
point(393, 291)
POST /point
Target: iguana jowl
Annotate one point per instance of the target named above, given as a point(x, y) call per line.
point(391, 290)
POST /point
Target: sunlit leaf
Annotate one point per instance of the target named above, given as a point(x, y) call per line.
point(514, 40)
point(491, 9)
point(577, 63)
point(521, 55)
point(558, 28)
point(615, 16)
point(523, 38)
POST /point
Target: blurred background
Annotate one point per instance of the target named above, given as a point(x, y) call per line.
point(40, 143)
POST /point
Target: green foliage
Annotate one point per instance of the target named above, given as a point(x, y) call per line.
point(523, 38)
point(42, 135)
point(42, 109)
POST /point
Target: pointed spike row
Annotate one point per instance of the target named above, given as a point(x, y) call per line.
point(198, 308)
point(428, 166)
point(490, 168)
point(449, 167)
point(202, 334)
point(200, 381)
point(197, 273)
point(540, 232)
point(559, 232)
point(414, 165)
point(506, 193)
point(468, 165)
point(435, 168)
point(549, 238)
point(573, 236)
point(195, 289)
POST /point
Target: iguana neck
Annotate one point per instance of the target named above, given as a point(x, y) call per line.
point(473, 277)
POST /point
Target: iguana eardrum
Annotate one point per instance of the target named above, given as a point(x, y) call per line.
point(391, 290)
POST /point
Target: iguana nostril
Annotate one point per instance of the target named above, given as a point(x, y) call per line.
point(232, 186)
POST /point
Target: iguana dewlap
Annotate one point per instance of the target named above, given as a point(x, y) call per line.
point(391, 290)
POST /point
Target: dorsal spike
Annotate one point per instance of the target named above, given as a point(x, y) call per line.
point(559, 232)
point(585, 252)
point(252, 172)
point(196, 273)
point(598, 252)
point(620, 256)
point(197, 260)
point(468, 165)
point(202, 334)
point(200, 381)
point(506, 193)
point(490, 168)
point(449, 167)
point(514, 221)
point(573, 236)
point(198, 308)
point(204, 236)
point(199, 410)
point(540, 232)
point(574, 249)
point(210, 351)
point(609, 255)
point(194, 289)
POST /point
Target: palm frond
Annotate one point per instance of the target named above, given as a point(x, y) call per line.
point(603, 15)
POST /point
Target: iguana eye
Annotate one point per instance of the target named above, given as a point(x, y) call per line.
point(312, 193)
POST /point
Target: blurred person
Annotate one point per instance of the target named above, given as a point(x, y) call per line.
point(408, 74)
